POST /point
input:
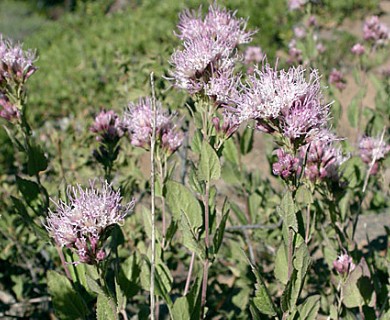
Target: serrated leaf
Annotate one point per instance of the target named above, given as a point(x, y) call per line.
point(281, 264)
point(262, 299)
point(287, 211)
point(196, 144)
point(93, 285)
point(209, 166)
point(68, 304)
point(190, 239)
point(105, 308)
point(180, 199)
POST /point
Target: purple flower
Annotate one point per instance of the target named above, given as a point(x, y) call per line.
point(296, 4)
point(138, 122)
point(312, 21)
point(230, 124)
point(253, 56)
point(373, 150)
point(208, 51)
point(286, 166)
point(81, 224)
point(358, 49)
point(8, 111)
point(320, 48)
point(108, 126)
point(16, 65)
point(336, 78)
point(323, 160)
point(375, 31)
point(344, 264)
point(294, 54)
point(299, 32)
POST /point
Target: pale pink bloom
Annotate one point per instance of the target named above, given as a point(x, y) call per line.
point(7, 110)
point(336, 78)
point(358, 49)
point(138, 122)
point(16, 65)
point(108, 126)
point(312, 21)
point(373, 149)
point(344, 264)
point(81, 224)
point(296, 4)
point(286, 166)
point(320, 47)
point(299, 32)
point(375, 31)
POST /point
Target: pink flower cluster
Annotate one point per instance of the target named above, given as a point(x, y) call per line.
point(206, 62)
point(7, 110)
point(336, 78)
point(283, 101)
point(375, 31)
point(107, 126)
point(253, 56)
point(138, 122)
point(81, 224)
point(373, 149)
point(344, 264)
point(16, 65)
point(286, 166)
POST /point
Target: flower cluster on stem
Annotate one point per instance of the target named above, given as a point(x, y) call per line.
point(83, 223)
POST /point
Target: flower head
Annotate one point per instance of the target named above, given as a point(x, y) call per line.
point(375, 31)
point(81, 224)
point(358, 49)
point(7, 110)
point(344, 264)
point(16, 65)
point(138, 122)
point(108, 126)
point(337, 78)
point(208, 52)
point(373, 150)
point(286, 166)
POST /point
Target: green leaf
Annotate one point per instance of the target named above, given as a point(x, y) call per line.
point(218, 238)
point(180, 199)
point(181, 309)
point(68, 304)
point(29, 189)
point(304, 196)
point(105, 308)
point(281, 264)
point(287, 210)
point(190, 239)
point(36, 160)
point(93, 285)
point(246, 141)
point(230, 152)
point(308, 310)
point(262, 299)
point(209, 166)
point(196, 144)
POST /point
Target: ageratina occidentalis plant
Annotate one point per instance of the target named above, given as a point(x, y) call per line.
point(83, 223)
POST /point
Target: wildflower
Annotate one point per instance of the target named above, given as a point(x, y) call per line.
point(337, 79)
point(312, 21)
point(16, 65)
point(296, 4)
point(375, 31)
point(294, 54)
point(320, 48)
point(83, 224)
point(286, 165)
point(373, 150)
point(323, 160)
point(208, 48)
point(138, 122)
point(344, 264)
point(299, 32)
point(230, 124)
point(108, 126)
point(358, 49)
point(8, 111)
